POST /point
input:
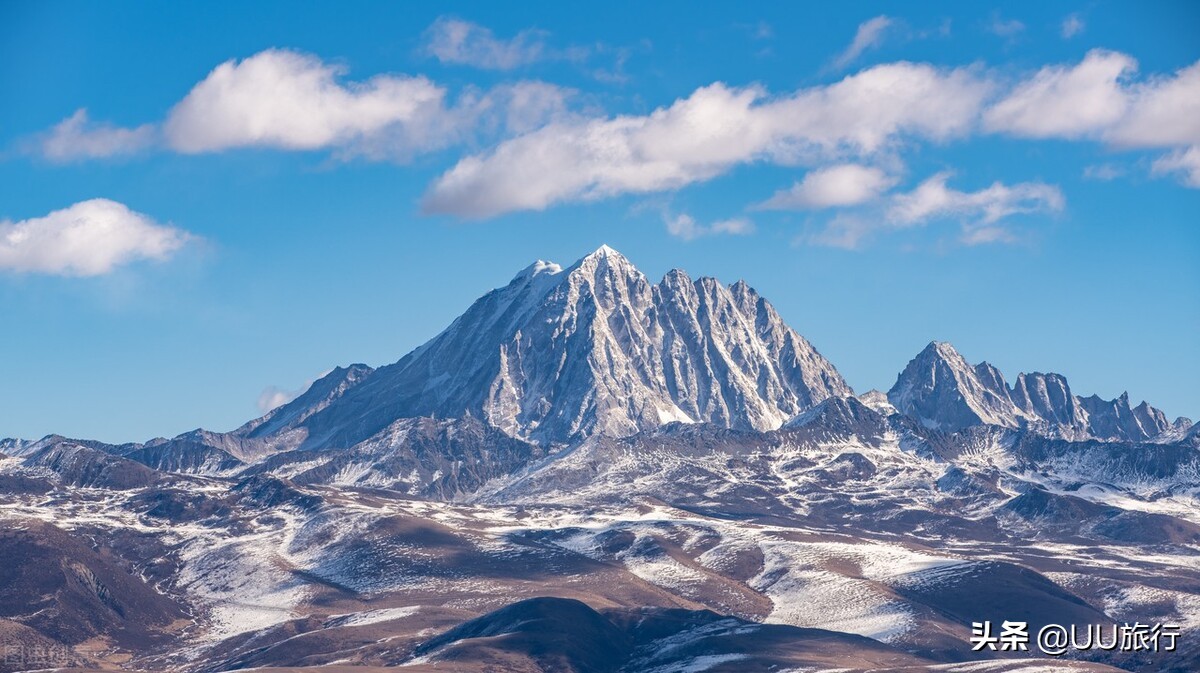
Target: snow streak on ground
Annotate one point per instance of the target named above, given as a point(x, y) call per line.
point(246, 582)
point(697, 664)
point(799, 579)
point(841, 586)
point(371, 616)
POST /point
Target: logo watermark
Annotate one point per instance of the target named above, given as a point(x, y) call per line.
point(1056, 640)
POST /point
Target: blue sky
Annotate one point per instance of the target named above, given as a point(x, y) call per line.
point(203, 204)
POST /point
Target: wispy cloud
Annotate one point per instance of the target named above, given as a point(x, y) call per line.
point(1103, 172)
point(90, 238)
point(77, 137)
point(932, 199)
point(760, 30)
point(848, 231)
point(1185, 163)
point(1072, 25)
point(1006, 28)
point(684, 226)
point(835, 186)
point(460, 42)
point(869, 35)
point(981, 216)
point(273, 397)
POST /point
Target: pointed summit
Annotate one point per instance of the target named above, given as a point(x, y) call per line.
point(558, 355)
point(603, 255)
point(942, 390)
point(603, 259)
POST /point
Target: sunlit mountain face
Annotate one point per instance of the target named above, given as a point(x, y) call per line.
point(599, 337)
point(589, 470)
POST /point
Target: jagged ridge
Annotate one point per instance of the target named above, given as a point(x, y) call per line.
point(941, 390)
point(557, 355)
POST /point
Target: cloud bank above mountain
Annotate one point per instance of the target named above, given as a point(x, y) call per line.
point(524, 144)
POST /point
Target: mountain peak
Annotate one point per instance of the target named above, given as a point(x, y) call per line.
point(942, 390)
point(558, 355)
point(877, 401)
point(604, 259)
point(741, 288)
point(605, 252)
point(942, 349)
point(676, 280)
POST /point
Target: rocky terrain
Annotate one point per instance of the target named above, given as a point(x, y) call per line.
point(588, 471)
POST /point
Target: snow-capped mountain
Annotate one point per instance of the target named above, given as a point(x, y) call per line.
point(588, 471)
point(560, 354)
point(941, 390)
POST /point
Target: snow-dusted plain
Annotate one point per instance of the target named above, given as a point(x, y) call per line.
point(584, 434)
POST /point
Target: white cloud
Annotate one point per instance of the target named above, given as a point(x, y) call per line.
point(736, 226)
point(465, 43)
point(503, 111)
point(868, 36)
point(531, 104)
point(1163, 112)
point(1067, 102)
point(1072, 25)
point(982, 235)
point(835, 186)
point(706, 134)
point(272, 397)
point(1185, 163)
point(77, 137)
point(1008, 28)
point(1098, 99)
point(932, 199)
point(685, 226)
point(90, 238)
point(847, 231)
point(1103, 172)
point(289, 100)
point(980, 214)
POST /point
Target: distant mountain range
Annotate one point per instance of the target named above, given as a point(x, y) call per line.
point(672, 454)
point(558, 355)
point(941, 390)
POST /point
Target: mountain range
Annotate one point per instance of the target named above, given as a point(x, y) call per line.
point(663, 465)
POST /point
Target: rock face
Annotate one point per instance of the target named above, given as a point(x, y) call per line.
point(323, 392)
point(940, 390)
point(560, 354)
point(582, 442)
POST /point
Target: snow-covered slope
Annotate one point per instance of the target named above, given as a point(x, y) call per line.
point(672, 451)
point(941, 390)
point(560, 354)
